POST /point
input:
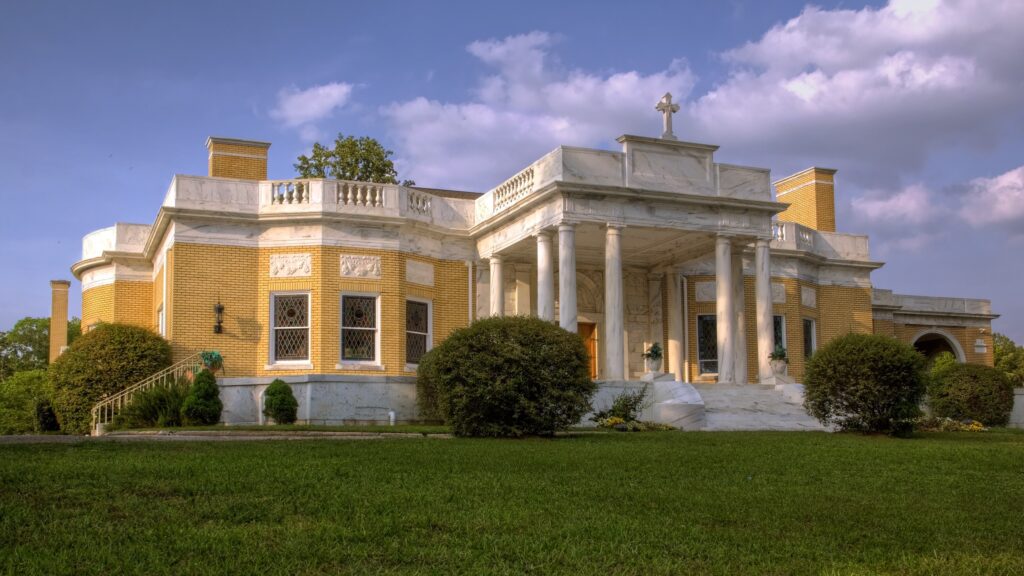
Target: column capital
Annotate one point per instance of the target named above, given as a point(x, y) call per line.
point(615, 226)
point(566, 226)
point(494, 258)
point(763, 242)
point(543, 235)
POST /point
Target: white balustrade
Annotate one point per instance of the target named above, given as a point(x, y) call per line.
point(779, 231)
point(289, 192)
point(804, 240)
point(419, 202)
point(359, 194)
point(513, 190)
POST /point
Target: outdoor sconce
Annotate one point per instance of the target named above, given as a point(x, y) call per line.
point(218, 310)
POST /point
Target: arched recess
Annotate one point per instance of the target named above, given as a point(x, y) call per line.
point(934, 341)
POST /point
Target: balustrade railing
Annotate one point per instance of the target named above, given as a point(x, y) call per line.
point(359, 194)
point(289, 192)
point(778, 231)
point(513, 190)
point(104, 412)
point(419, 202)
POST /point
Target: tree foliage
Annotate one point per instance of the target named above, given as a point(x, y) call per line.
point(513, 376)
point(1009, 358)
point(26, 346)
point(972, 391)
point(103, 361)
point(25, 403)
point(866, 383)
point(362, 159)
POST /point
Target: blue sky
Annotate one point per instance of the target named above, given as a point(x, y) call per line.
point(916, 103)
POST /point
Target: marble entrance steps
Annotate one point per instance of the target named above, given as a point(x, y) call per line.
point(752, 407)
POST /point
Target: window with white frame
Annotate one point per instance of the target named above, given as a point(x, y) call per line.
point(779, 332)
point(810, 337)
point(161, 320)
point(290, 327)
point(359, 328)
point(417, 330)
point(707, 343)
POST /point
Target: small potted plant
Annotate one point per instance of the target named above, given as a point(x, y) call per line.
point(652, 357)
point(212, 360)
point(779, 360)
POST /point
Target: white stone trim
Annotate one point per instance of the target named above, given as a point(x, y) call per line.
point(291, 265)
point(419, 272)
point(953, 342)
point(808, 297)
point(360, 266)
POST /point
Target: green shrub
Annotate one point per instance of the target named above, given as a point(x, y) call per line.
point(202, 406)
point(866, 383)
point(158, 407)
point(24, 398)
point(279, 403)
point(972, 392)
point(102, 362)
point(512, 376)
point(627, 406)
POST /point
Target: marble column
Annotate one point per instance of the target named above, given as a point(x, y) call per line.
point(545, 278)
point(497, 287)
point(763, 293)
point(567, 277)
point(739, 311)
point(655, 316)
point(675, 325)
point(724, 308)
point(613, 315)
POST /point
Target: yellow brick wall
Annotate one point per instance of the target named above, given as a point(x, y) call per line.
point(884, 328)
point(123, 301)
point(811, 198)
point(97, 306)
point(201, 274)
point(844, 310)
point(237, 167)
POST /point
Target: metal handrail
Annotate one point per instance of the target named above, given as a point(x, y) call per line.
point(108, 408)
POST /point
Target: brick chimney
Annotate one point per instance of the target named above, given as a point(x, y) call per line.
point(232, 158)
point(58, 317)
point(811, 197)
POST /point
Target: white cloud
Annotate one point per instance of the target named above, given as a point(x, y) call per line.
point(303, 108)
point(912, 205)
point(524, 109)
point(998, 200)
point(873, 91)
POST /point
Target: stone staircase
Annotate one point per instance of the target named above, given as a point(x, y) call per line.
point(752, 407)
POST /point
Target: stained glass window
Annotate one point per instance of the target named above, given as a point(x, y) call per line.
point(707, 343)
point(359, 328)
point(417, 330)
point(291, 327)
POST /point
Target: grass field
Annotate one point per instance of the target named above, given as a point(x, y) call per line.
point(656, 503)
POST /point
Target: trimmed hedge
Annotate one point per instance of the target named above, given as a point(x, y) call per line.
point(101, 362)
point(279, 403)
point(158, 407)
point(513, 376)
point(866, 383)
point(202, 406)
point(972, 391)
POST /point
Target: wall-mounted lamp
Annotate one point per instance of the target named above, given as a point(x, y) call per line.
point(218, 310)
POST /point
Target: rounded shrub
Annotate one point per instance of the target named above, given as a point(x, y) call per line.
point(101, 362)
point(972, 391)
point(513, 376)
point(866, 383)
point(202, 406)
point(279, 403)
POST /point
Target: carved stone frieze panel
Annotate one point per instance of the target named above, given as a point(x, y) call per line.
point(419, 272)
point(358, 266)
point(290, 265)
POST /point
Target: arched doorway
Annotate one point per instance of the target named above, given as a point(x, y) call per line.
point(931, 343)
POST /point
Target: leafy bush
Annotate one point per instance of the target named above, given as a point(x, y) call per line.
point(158, 407)
point(24, 403)
point(202, 406)
point(279, 403)
point(972, 391)
point(103, 361)
point(866, 383)
point(626, 407)
point(513, 376)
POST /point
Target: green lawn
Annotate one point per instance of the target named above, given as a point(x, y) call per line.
point(656, 503)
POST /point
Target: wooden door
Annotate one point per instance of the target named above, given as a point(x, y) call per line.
point(588, 332)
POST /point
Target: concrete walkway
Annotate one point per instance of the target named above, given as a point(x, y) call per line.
point(210, 436)
point(752, 407)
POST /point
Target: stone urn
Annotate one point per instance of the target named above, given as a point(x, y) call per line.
point(779, 367)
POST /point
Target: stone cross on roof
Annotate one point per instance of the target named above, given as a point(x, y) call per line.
point(667, 109)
